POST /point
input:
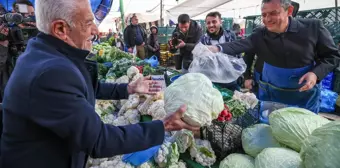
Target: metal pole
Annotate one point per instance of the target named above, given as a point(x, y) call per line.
point(161, 5)
point(121, 6)
point(336, 11)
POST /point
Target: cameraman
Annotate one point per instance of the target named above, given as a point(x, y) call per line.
point(30, 14)
point(5, 62)
point(186, 35)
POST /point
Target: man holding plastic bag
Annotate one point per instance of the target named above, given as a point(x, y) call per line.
point(216, 35)
point(297, 54)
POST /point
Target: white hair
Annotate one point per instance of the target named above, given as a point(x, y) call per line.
point(47, 11)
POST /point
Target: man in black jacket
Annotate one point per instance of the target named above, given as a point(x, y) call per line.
point(189, 34)
point(297, 54)
point(135, 36)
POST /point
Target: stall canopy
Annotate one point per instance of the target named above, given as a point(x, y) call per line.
point(242, 8)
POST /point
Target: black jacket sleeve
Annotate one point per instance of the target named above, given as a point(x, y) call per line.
point(59, 104)
point(327, 52)
point(239, 46)
point(197, 37)
point(111, 91)
point(127, 34)
point(249, 58)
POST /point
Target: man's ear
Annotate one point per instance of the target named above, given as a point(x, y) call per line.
point(290, 10)
point(59, 29)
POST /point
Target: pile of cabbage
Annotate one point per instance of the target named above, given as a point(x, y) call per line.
point(295, 138)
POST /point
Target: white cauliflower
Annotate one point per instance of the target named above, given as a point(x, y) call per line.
point(123, 102)
point(147, 165)
point(110, 80)
point(144, 107)
point(132, 71)
point(123, 79)
point(158, 96)
point(120, 121)
point(184, 140)
point(203, 153)
point(167, 154)
point(133, 101)
point(108, 119)
point(136, 77)
point(132, 116)
point(180, 164)
point(156, 110)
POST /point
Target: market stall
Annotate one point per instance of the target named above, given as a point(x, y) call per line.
point(237, 130)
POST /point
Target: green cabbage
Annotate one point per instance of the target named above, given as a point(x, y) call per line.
point(258, 137)
point(195, 90)
point(290, 126)
point(322, 148)
point(278, 158)
point(238, 161)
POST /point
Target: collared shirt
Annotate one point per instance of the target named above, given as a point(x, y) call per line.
point(306, 42)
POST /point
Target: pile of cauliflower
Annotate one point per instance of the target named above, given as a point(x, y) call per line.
point(130, 112)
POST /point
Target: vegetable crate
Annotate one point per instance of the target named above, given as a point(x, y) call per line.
point(329, 16)
point(225, 137)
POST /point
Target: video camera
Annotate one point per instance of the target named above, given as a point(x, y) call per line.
point(174, 42)
point(21, 27)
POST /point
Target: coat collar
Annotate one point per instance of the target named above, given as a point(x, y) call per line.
point(64, 48)
point(293, 25)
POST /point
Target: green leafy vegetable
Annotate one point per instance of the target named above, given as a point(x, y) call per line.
point(236, 107)
point(290, 126)
point(322, 148)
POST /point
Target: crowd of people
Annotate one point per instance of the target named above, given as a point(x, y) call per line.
point(49, 118)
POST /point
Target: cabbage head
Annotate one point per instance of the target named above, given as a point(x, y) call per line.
point(258, 137)
point(290, 126)
point(236, 160)
point(196, 91)
point(278, 158)
point(322, 148)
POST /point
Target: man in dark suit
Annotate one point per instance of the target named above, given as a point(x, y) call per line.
point(297, 54)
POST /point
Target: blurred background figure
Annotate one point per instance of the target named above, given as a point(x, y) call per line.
point(153, 44)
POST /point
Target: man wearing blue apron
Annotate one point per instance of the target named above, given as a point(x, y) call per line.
point(297, 54)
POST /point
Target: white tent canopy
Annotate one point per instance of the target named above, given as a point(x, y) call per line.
point(146, 10)
point(149, 10)
point(242, 8)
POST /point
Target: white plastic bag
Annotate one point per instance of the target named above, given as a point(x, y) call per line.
point(218, 67)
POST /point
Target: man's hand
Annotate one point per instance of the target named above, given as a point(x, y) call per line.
point(181, 44)
point(170, 43)
point(248, 84)
point(143, 44)
point(144, 86)
point(174, 122)
point(310, 79)
point(130, 50)
point(213, 48)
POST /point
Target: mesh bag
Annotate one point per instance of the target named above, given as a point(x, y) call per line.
point(225, 137)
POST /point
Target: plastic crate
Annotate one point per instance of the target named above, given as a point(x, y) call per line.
point(336, 81)
point(225, 137)
point(327, 15)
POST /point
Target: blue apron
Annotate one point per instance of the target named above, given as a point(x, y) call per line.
point(282, 85)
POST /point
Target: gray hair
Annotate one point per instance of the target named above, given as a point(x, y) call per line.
point(47, 11)
point(284, 3)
